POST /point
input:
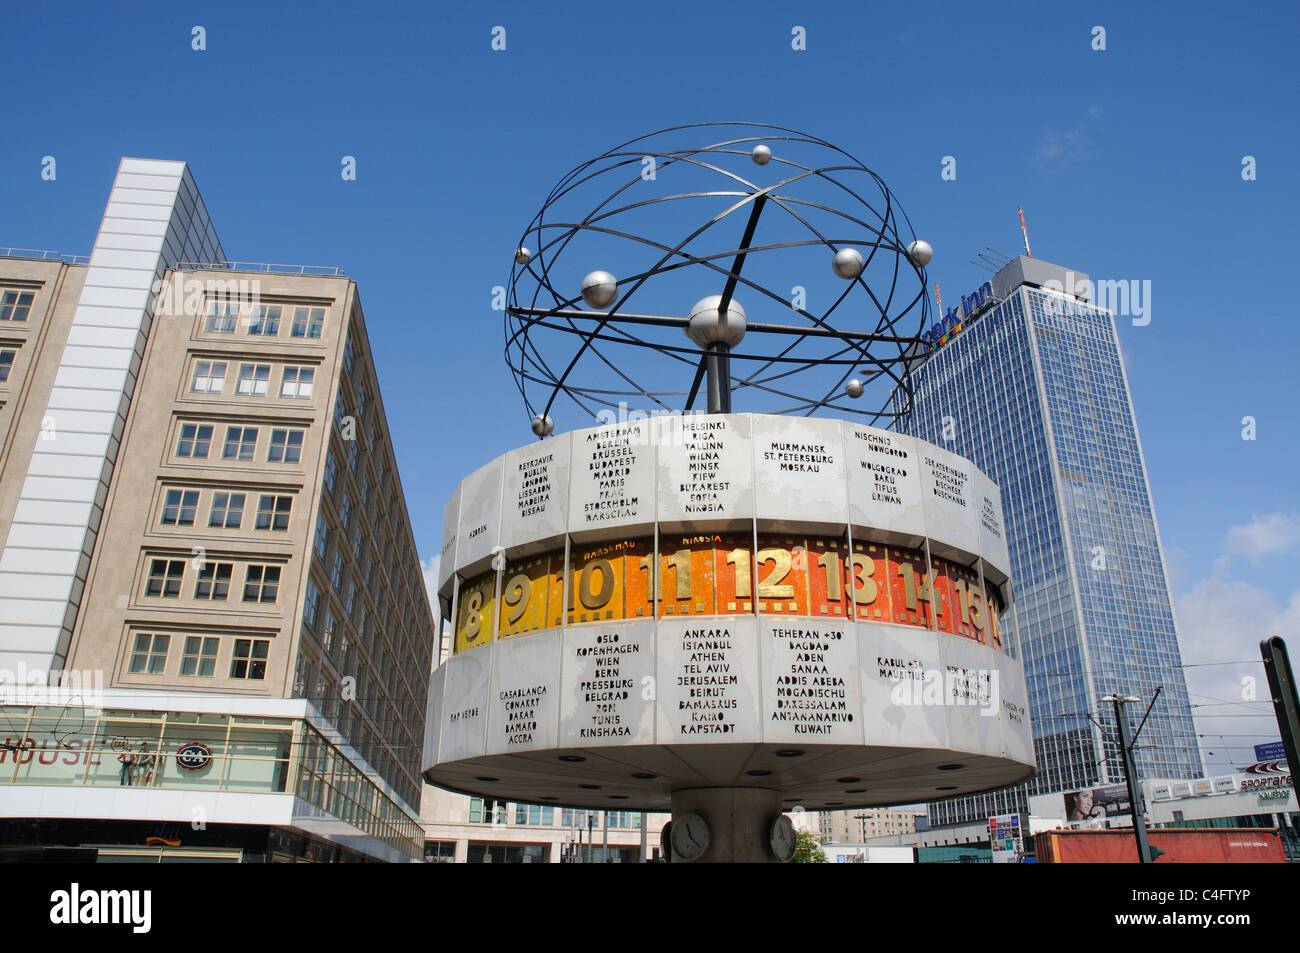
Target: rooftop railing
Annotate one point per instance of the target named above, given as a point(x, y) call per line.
point(44, 255)
point(264, 267)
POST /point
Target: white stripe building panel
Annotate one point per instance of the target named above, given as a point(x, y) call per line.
point(59, 561)
point(59, 507)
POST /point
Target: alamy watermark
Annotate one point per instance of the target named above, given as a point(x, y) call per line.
point(918, 686)
point(52, 688)
point(1125, 297)
point(179, 295)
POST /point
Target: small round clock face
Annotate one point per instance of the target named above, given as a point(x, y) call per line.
point(690, 837)
point(782, 838)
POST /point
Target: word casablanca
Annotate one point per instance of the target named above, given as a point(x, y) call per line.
point(76, 906)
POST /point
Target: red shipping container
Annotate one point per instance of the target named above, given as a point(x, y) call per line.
point(1224, 845)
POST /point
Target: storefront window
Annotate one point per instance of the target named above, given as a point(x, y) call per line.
point(506, 854)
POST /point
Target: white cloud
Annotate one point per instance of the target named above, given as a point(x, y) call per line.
point(430, 569)
point(1265, 536)
point(1059, 148)
point(1222, 621)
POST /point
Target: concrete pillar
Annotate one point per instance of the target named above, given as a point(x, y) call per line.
point(462, 851)
point(739, 819)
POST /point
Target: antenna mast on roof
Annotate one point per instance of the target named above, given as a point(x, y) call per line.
point(1025, 231)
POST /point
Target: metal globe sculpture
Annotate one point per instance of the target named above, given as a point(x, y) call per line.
point(599, 289)
point(848, 263)
point(724, 614)
point(543, 425)
point(921, 252)
point(710, 325)
point(748, 214)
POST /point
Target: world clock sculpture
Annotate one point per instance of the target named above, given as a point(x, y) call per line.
point(721, 614)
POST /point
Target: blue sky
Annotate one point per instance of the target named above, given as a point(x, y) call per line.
point(1127, 161)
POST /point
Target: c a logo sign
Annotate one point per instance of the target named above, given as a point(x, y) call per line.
point(193, 756)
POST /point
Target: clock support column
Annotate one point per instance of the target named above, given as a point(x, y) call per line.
point(739, 823)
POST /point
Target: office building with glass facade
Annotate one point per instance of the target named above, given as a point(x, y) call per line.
point(1026, 379)
point(204, 532)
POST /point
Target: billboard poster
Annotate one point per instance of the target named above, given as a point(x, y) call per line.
point(1005, 838)
point(1108, 801)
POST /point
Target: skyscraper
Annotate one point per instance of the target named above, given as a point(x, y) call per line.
point(204, 530)
point(1026, 379)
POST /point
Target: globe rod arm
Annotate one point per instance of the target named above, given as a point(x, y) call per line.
point(673, 322)
point(733, 276)
point(699, 376)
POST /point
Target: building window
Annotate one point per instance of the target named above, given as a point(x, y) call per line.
point(252, 380)
point(165, 577)
point(313, 597)
point(339, 411)
point(240, 443)
point(356, 544)
point(365, 489)
point(286, 446)
point(307, 322)
point(352, 596)
point(487, 811)
point(361, 401)
point(331, 469)
point(322, 536)
point(179, 507)
point(249, 658)
point(221, 317)
point(209, 377)
point(302, 676)
point(214, 581)
point(7, 355)
point(352, 456)
point(265, 320)
point(327, 633)
point(346, 510)
point(535, 815)
point(336, 574)
point(199, 657)
point(262, 584)
point(296, 381)
point(15, 305)
point(227, 510)
point(149, 657)
point(195, 441)
point(349, 353)
point(273, 512)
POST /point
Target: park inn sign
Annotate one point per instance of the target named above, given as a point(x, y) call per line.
point(971, 305)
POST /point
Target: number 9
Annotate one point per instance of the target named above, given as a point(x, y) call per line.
point(516, 595)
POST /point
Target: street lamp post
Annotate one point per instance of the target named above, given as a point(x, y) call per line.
point(1130, 773)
